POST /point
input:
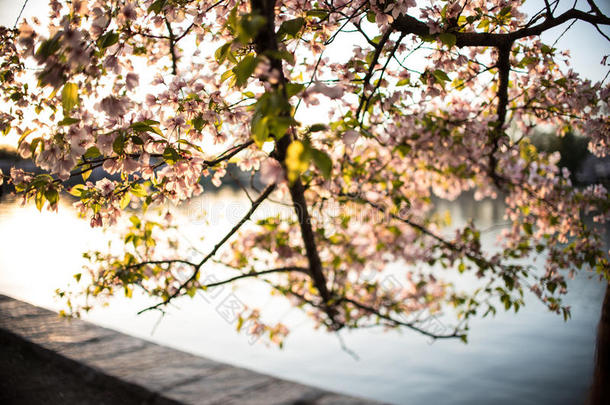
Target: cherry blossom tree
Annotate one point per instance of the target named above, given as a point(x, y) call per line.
point(435, 99)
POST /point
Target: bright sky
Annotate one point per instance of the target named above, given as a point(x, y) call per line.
point(587, 47)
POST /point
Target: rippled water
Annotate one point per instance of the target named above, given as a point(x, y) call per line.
point(532, 357)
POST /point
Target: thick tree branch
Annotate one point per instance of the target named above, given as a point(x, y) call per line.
point(172, 47)
point(410, 25)
point(266, 41)
point(503, 66)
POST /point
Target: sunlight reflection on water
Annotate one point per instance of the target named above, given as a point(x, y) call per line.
point(529, 358)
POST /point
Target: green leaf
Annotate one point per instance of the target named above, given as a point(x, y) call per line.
point(317, 128)
point(279, 125)
point(198, 122)
point(157, 6)
point(249, 26)
point(297, 160)
point(226, 75)
point(321, 14)
point(440, 76)
point(69, 97)
point(108, 40)
point(125, 200)
point(292, 89)
point(34, 145)
point(260, 130)
point(48, 47)
point(138, 190)
point(170, 155)
point(322, 162)
point(484, 24)
point(77, 190)
point(222, 52)
point(68, 121)
point(287, 56)
point(403, 82)
point(118, 145)
point(244, 69)
point(448, 39)
point(92, 153)
point(51, 195)
point(192, 145)
point(291, 27)
point(144, 127)
point(85, 175)
point(39, 200)
point(136, 140)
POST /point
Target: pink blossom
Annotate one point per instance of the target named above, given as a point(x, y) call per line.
point(334, 92)
point(350, 137)
point(105, 187)
point(114, 107)
point(131, 81)
point(18, 176)
point(104, 143)
point(272, 171)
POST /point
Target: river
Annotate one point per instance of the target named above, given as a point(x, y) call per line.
point(532, 357)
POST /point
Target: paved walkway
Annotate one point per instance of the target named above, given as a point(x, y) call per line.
point(46, 359)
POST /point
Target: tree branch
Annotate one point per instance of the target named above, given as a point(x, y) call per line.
point(503, 65)
point(266, 41)
point(172, 47)
point(371, 71)
point(409, 325)
point(256, 274)
point(195, 274)
point(410, 25)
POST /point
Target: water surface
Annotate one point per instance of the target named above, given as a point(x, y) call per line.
point(532, 357)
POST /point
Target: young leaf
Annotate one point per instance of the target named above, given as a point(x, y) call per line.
point(170, 155)
point(297, 160)
point(440, 76)
point(51, 195)
point(322, 162)
point(77, 190)
point(108, 40)
point(291, 27)
point(244, 69)
point(125, 200)
point(157, 6)
point(69, 99)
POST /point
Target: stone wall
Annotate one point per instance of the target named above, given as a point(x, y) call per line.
point(157, 374)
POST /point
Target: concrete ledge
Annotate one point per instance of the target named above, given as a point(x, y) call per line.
point(157, 374)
